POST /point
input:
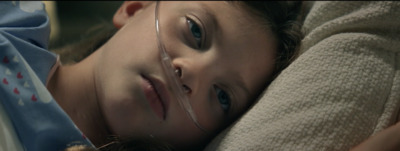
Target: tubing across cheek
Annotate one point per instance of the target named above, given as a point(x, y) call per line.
point(172, 78)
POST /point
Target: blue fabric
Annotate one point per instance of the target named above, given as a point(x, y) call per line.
point(25, 63)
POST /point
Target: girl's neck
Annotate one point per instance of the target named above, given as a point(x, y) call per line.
point(74, 89)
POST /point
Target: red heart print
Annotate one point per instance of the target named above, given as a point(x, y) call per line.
point(5, 81)
point(5, 59)
point(16, 91)
point(33, 98)
point(19, 75)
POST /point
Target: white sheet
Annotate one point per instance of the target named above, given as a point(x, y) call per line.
point(8, 138)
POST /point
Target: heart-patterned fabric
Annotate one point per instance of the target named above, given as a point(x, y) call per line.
point(25, 64)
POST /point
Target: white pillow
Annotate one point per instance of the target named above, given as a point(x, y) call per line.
point(343, 88)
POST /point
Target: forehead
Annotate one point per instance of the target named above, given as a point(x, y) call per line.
point(222, 11)
point(232, 25)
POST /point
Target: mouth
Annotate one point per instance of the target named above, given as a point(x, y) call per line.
point(156, 94)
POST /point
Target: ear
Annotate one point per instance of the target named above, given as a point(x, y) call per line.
point(127, 10)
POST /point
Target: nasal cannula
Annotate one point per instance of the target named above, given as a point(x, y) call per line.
point(173, 79)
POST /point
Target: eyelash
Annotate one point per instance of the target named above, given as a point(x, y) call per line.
point(225, 104)
point(198, 37)
point(223, 98)
point(195, 27)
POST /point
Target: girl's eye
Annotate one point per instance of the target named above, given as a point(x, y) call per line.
point(196, 32)
point(223, 99)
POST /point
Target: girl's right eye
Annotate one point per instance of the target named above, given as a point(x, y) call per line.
point(196, 31)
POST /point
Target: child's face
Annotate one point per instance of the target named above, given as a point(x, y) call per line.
point(223, 57)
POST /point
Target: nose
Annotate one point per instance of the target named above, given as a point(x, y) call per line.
point(178, 72)
point(193, 73)
point(196, 71)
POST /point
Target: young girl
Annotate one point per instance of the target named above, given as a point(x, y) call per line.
point(223, 54)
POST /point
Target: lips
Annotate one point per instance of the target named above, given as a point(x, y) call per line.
point(156, 94)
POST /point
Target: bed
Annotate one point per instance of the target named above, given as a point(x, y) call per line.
point(343, 88)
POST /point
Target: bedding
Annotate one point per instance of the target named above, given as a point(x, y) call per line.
point(30, 118)
point(8, 138)
point(342, 89)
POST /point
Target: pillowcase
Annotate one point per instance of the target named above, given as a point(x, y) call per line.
point(343, 88)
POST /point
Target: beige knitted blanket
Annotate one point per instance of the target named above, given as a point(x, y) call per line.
point(343, 88)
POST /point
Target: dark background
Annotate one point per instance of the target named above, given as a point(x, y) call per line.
point(76, 17)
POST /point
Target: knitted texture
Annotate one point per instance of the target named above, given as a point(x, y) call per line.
point(343, 88)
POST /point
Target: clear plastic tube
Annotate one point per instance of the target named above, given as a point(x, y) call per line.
point(173, 79)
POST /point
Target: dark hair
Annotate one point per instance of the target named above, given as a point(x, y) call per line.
point(91, 41)
point(279, 17)
point(283, 20)
point(137, 145)
point(127, 145)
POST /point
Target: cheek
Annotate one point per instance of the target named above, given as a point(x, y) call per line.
point(208, 110)
point(136, 41)
point(182, 131)
point(185, 134)
point(120, 102)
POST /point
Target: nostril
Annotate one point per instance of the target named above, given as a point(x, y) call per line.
point(178, 72)
point(186, 89)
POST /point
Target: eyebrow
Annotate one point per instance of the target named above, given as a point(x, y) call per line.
point(210, 17)
point(238, 82)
